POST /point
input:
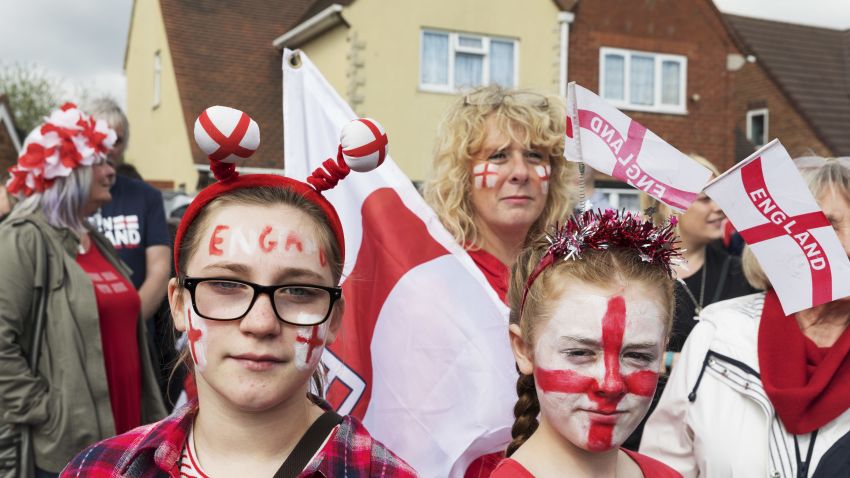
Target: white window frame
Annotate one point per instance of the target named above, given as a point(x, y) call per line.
point(750, 115)
point(455, 47)
point(614, 195)
point(157, 79)
point(659, 58)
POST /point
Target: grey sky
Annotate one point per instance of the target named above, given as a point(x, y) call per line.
point(83, 41)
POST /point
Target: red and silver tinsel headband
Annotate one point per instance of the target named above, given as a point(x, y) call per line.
point(609, 229)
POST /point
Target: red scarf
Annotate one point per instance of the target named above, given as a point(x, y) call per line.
point(808, 386)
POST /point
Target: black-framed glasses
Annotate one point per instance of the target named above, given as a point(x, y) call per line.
point(515, 97)
point(217, 298)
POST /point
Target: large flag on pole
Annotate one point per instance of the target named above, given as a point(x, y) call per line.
point(607, 140)
point(770, 205)
point(423, 356)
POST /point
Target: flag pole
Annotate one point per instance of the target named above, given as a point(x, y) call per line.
point(572, 111)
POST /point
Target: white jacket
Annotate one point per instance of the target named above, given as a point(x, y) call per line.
point(714, 418)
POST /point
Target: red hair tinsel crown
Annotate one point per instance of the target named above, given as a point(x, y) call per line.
point(229, 136)
point(610, 229)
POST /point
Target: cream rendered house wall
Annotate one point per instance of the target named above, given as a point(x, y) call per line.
point(159, 143)
point(385, 37)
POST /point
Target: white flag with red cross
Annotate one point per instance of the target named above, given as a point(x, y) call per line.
point(423, 356)
point(770, 205)
point(608, 141)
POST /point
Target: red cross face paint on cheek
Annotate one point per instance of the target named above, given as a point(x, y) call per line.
point(596, 363)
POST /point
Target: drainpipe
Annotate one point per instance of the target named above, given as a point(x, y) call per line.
point(564, 19)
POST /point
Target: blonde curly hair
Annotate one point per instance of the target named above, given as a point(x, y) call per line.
point(530, 119)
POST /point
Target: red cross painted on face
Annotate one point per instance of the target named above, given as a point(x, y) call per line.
point(313, 342)
point(485, 171)
point(194, 336)
point(615, 385)
point(779, 223)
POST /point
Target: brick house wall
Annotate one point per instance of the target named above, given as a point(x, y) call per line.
point(754, 89)
point(8, 154)
point(692, 28)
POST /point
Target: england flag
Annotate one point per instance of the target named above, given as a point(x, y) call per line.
point(423, 356)
point(770, 205)
point(607, 140)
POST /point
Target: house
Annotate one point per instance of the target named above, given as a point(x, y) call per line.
point(795, 86)
point(680, 67)
point(183, 56)
point(10, 141)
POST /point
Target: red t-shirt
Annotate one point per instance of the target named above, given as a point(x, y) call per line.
point(118, 307)
point(650, 467)
point(494, 270)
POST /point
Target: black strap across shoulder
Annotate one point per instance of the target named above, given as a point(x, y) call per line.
point(724, 271)
point(308, 445)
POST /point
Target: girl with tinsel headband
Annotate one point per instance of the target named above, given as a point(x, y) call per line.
point(258, 261)
point(590, 314)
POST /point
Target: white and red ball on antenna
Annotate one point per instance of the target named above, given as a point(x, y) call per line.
point(364, 144)
point(226, 134)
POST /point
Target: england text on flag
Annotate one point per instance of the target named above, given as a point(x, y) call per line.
point(769, 203)
point(423, 356)
point(610, 142)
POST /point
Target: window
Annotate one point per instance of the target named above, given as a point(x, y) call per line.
point(757, 127)
point(453, 61)
point(641, 81)
point(157, 74)
point(619, 198)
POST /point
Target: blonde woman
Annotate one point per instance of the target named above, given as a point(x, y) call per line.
point(499, 174)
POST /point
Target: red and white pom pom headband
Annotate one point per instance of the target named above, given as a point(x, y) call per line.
point(609, 229)
point(66, 140)
point(229, 136)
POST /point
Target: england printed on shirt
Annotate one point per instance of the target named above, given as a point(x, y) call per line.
point(122, 230)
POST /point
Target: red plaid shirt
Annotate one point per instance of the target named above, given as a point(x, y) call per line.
point(154, 451)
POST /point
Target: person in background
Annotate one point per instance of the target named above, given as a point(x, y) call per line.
point(134, 221)
point(759, 393)
point(500, 177)
point(95, 376)
point(709, 274)
point(499, 180)
point(591, 308)
point(258, 315)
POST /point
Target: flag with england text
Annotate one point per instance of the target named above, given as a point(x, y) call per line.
point(607, 140)
point(423, 356)
point(771, 206)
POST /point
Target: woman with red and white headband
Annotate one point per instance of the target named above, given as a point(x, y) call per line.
point(258, 260)
point(87, 374)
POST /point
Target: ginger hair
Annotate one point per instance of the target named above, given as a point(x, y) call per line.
point(596, 268)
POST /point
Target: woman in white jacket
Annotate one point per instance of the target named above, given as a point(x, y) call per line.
point(759, 394)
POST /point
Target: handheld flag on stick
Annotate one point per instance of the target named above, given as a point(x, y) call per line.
point(770, 205)
point(610, 142)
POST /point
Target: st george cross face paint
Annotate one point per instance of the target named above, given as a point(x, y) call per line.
point(257, 362)
point(543, 171)
point(196, 338)
point(484, 175)
point(596, 363)
point(309, 345)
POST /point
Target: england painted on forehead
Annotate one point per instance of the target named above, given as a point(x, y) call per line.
point(268, 239)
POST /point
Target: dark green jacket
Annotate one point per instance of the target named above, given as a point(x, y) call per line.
point(67, 402)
